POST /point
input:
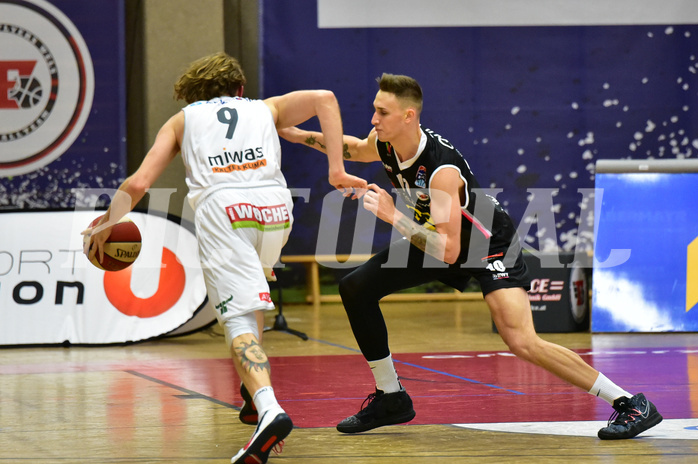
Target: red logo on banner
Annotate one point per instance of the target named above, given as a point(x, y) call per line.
point(14, 92)
point(117, 286)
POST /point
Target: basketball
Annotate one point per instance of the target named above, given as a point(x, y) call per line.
point(121, 248)
point(28, 93)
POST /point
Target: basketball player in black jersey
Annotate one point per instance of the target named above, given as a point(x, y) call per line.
point(453, 233)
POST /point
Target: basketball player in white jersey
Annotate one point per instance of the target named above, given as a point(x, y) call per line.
point(231, 151)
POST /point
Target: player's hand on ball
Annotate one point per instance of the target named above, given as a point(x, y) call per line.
point(116, 244)
point(94, 238)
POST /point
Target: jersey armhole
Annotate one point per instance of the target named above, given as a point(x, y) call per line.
point(460, 174)
point(184, 130)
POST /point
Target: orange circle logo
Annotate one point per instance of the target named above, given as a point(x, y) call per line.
point(117, 286)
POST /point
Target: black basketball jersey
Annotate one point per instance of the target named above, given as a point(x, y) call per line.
point(412, 178)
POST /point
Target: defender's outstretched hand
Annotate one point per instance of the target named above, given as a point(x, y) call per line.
point(349, 185)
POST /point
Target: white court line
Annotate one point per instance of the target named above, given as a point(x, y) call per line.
point(668, 429)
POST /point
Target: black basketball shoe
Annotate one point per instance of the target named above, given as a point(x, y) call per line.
point(632, 416)
point(248, 411)
point(379, 409)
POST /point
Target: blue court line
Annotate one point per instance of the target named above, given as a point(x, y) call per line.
point(424, 368)
point(459, 377)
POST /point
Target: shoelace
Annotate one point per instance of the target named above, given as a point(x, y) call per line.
point(612, 419)
point(278, 448)
point(623, 417)
point(369, 399)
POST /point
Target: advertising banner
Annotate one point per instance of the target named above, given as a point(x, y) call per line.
point(51, 294)
point(62, 100)
point(645, 275)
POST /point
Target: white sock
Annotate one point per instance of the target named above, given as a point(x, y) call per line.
point(385, 375)
point(607, 390)
point(264, 399)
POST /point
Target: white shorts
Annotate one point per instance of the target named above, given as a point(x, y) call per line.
point(241, 231)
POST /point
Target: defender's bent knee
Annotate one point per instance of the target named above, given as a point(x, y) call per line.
point(528, 349)
point(351, 288)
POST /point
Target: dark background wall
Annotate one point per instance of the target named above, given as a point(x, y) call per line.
point(531, 107)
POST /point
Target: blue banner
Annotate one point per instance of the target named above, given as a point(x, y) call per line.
point(645, 276)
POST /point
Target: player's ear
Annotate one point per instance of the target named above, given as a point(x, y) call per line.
point(410, 114)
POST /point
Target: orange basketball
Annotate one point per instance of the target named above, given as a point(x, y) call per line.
point(121, 248)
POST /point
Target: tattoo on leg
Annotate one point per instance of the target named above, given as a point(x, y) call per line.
point(252, 357)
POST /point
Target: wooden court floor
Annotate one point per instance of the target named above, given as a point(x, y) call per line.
point(175, 400)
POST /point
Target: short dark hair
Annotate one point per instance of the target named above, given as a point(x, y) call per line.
point(403, 87)
point(210, 77)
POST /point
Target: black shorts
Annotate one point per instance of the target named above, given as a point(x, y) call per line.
point(403, 266)
point(497, 272)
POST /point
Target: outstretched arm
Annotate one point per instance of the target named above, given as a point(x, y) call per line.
point(134, 188)
point(297, 107)
point(354, 148)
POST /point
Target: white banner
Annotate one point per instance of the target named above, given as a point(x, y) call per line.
point(50, 293)
point(472, 13)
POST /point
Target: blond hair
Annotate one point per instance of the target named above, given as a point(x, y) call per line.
point(209, 77)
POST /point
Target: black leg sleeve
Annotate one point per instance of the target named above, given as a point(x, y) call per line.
point(367, 284)
point(358, 292)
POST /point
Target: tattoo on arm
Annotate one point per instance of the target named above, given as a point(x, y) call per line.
point(429, 241)
point(311, 140)
point(252, 357)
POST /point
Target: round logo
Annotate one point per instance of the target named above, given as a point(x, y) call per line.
point(46, 85)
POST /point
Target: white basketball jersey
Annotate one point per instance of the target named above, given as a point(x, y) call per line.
point(230, 140)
